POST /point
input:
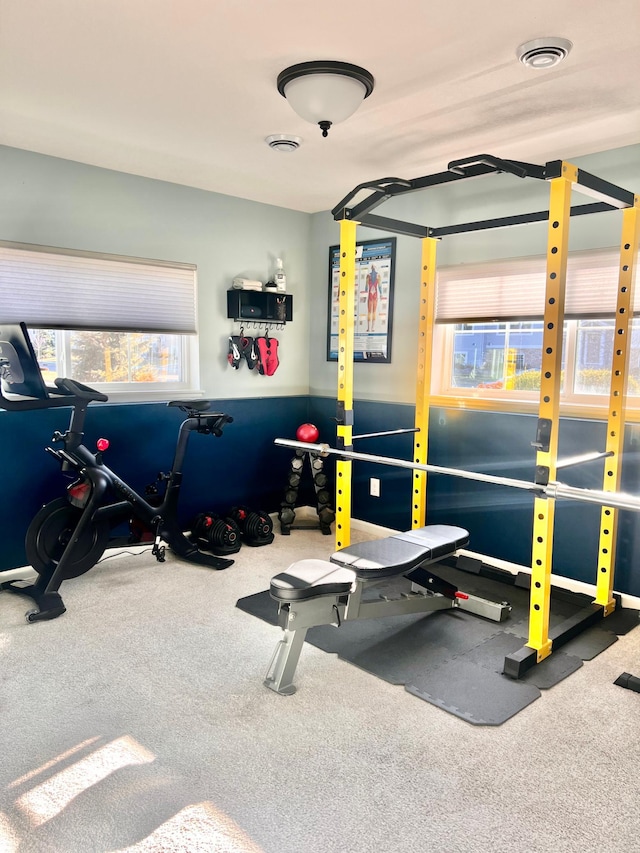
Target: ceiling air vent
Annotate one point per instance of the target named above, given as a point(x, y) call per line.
point(543, 52)
point(282, 142)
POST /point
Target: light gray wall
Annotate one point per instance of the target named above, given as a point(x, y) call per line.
point(57, 202)
point(467, 201)
point(54, 202)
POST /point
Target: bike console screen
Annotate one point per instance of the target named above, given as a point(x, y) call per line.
point(19, 370)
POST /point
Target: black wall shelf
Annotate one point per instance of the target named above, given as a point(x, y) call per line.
point(259, 306)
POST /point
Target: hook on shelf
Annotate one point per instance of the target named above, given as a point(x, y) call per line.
point(278, 325)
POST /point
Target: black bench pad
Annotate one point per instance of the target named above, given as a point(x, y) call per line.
point(397, 554)
point(310, 579)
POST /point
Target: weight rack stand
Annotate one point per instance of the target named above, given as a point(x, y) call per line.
point(287, 514)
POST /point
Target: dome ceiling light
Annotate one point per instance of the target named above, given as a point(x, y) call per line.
point(543, 53)
point(325, 92)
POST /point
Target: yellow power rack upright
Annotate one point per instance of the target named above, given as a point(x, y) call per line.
point(617, 402)
point(346, 332)
point(423, 382)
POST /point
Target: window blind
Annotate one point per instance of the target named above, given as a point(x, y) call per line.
point(514, 289)
point(59, 289)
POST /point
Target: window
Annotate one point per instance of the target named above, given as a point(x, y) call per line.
point(120, 324)
point(489, 331)
point(115, 361)
point(496, 355)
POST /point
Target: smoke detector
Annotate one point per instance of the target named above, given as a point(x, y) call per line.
point(282, 142)
point(543, 53)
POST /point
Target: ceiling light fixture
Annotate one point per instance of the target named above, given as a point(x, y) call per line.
point(543, 53)
point(283, 142)
point(325, 92)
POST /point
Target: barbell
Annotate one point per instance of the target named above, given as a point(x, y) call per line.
point(553, 489)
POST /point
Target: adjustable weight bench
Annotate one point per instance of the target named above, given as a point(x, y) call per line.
point(319, 592)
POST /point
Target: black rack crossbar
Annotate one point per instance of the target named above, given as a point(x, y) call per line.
point(609, 196)
point(396, 226)
point(465, 166)
point(382, 189)
point(400, 188)
point(341, 211)
point(458, 170)
point(518, 219)
point(593, 186)
point(410, 229)
point(379, 194)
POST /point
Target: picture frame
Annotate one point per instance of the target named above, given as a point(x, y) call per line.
point(375, 274)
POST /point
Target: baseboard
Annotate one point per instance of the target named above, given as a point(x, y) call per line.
point(24, 573)
point(374, 529)
point(309, 514)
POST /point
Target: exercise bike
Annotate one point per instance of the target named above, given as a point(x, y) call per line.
point(69, 535)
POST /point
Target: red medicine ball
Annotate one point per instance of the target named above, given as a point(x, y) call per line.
point(307, 432)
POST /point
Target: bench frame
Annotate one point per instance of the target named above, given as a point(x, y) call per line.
point(425, 593)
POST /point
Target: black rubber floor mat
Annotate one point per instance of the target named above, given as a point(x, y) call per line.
point(552, 670)
point(472, 685)
point(590, 643)
point(453, 659)
point(396, 648)
point(492, 652)
point(261, 605)
point(622, 620)
point(473, 692)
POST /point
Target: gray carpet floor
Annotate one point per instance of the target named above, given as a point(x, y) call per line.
point(138, 721)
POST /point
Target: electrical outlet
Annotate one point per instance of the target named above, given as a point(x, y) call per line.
point(374, 487)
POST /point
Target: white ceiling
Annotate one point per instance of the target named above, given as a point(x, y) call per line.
point(185, 90)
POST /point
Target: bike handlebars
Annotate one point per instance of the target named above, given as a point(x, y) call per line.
point(66, 393)
point(77, 389)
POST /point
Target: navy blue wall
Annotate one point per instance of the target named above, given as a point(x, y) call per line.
point(245, 467)
point(499, 519)
point(241, 467)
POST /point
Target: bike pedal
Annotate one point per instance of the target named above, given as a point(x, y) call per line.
point(158, 550)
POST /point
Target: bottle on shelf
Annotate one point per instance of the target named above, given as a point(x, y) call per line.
point(280, 277)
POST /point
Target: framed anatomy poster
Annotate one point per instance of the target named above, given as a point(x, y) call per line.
point(375, 262)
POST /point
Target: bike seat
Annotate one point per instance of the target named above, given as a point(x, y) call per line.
point(191, 405)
